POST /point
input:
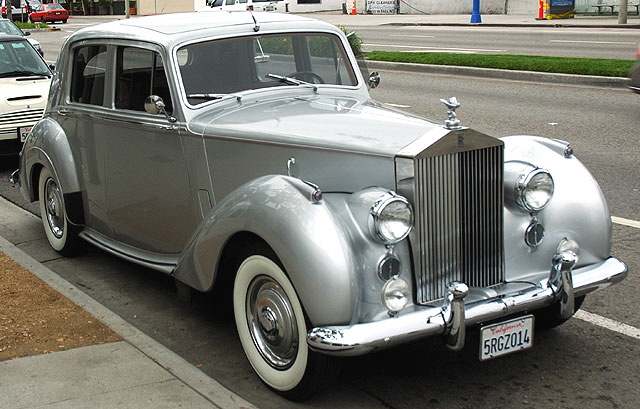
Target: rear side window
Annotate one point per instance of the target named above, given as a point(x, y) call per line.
point(89, 74)
point(139, 74)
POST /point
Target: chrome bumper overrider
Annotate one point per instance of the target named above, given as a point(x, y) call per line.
point(15, 177)
point(451, 317)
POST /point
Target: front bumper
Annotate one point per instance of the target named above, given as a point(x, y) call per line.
point(450, 318)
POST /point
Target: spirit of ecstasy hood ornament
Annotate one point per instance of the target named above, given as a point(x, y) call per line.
point(452, 121)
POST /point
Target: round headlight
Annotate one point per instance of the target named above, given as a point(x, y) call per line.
point(392, 219)
point(395, 294)
point(535, 190)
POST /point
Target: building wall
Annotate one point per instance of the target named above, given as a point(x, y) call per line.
point(514, 7)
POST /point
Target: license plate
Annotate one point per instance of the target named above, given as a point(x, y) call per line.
point(23, 133)
point(506, 337)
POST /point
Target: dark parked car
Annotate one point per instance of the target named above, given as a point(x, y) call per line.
point(8, 27)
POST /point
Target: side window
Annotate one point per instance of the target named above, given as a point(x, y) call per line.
point(140, 73)
point(89, 67)
point(229, 2)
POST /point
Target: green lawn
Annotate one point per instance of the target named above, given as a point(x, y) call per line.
point(580, 66)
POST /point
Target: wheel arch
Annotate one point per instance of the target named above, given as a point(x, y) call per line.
point(47, 146)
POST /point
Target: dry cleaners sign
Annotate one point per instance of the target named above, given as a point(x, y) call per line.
point(381, 7)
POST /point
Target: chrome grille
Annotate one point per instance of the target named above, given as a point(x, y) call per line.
point(21, 116)
point(458, 201)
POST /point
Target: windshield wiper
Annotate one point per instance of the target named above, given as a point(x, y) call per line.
point(212, 97)
point(23, 74)
point(292, 81)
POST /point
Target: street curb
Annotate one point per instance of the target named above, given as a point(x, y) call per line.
point(177, 366)
point(606, 82)
point(525, 25)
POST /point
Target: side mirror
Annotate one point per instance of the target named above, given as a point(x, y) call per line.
point(155, 105)
point(374, 79)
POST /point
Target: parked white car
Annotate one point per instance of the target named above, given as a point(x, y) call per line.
point(24, 80)
point(244, 5)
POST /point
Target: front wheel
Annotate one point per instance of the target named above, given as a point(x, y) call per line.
point(273, 332)
point(60, 235)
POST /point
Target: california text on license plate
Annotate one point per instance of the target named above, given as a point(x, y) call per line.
point(506, 337)
point(24, 132)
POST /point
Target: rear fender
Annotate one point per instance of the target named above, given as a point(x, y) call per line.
point(47, 145)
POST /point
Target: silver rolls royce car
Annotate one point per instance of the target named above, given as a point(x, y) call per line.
point(243, 152)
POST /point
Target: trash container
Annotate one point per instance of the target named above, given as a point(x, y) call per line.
point(560, 9)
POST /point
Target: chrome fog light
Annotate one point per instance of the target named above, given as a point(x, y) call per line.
point(392, 219)
point(534, 190)
point(395, 294)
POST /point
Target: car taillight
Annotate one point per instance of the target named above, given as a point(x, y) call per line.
point(250, 7)
point(286, 7)
point(638, 53)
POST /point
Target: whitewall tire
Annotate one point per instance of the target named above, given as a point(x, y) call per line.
point(272, 329)
point(54, 216)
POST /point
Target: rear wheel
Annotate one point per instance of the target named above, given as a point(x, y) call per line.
point(272, 329)
point(60, 235)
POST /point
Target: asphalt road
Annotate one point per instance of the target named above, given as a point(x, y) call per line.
point(579, 365)
point(559, 42)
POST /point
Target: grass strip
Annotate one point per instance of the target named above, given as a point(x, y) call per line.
point(562, 65)
point(29, 25)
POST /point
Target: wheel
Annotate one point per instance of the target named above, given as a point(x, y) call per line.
point(308, 76)
point(548, 317)
point(60, 235)
point(64, 21)
point(31, 19)
point(272, 329)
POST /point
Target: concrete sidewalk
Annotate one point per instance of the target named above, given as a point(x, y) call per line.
point(488, 20)
point(137, 372)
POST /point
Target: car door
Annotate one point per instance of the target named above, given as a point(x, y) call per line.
point(148, 188)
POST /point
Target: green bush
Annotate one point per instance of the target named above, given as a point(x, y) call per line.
point(354, 41)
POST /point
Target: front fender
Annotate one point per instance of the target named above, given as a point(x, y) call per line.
point(307, 236)
point(578, 209)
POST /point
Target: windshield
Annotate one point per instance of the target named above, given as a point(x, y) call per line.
point(9, 28)
point(214, 68)
point(53, 7)
point(18, 58)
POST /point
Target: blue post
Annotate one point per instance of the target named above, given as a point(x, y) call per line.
point(475, 16)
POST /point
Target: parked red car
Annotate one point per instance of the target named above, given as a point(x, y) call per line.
point(50, 13)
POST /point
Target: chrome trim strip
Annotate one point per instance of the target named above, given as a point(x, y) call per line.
point(163, 263)
point(367, 337)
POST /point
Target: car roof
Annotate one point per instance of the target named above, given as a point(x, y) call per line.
point(11, 37)
point(169, 29)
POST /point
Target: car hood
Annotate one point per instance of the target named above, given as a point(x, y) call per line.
point(23, 92)
point(336, 123)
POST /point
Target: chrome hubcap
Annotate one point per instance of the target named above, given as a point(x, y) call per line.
point(272, 322)
point(54, 208)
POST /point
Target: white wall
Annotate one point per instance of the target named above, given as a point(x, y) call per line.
point(451, 6)
point(515, 7)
